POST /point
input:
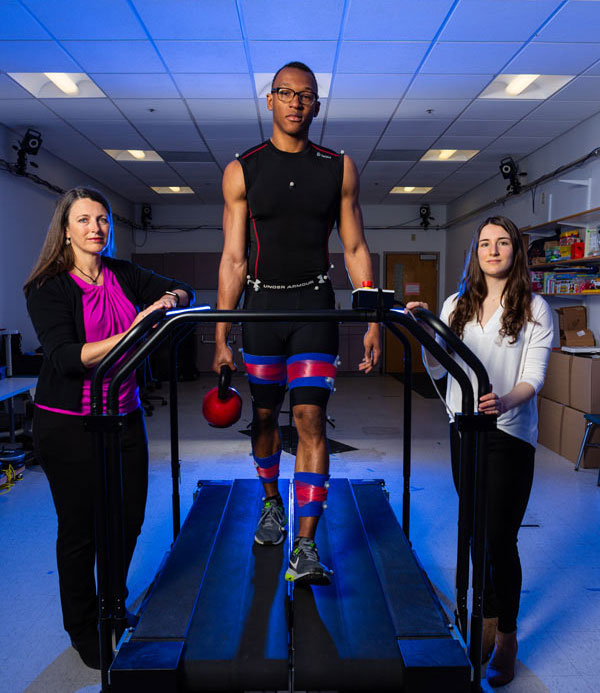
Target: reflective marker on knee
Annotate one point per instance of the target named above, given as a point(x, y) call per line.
point(311, 493)
point(267, 468)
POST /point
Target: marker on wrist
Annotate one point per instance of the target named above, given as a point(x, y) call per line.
point(175, 296)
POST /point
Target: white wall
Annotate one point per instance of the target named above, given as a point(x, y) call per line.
point(26, 209)
point(551, 200)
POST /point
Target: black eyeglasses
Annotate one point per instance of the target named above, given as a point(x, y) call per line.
point(306, 98)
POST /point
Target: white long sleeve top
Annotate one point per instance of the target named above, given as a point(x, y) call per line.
point(507, 364)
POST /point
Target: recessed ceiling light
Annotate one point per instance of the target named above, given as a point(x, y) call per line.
point(452, 155)
point(536, 87)
point(263, 81)
point(409, 190)
point(139, 155)
point(173, 190)
point(58, 85)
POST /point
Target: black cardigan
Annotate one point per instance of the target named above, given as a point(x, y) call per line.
point(56, 311)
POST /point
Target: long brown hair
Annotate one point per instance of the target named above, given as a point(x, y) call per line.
point(56, 256)
point(516, 296)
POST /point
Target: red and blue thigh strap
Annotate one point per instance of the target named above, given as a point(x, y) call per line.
point(311, 370)
point(311, 493)
point(267, 468)
point(265, 370)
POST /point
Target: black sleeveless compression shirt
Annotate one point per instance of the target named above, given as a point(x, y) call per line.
point(293, 203)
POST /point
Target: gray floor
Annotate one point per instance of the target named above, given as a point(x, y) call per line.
point(559, 628)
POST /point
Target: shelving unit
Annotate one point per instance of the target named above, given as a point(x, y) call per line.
point(591, 217)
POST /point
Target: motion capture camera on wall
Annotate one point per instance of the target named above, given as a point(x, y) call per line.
point(30, 144)
point(146, 215)
point(425, 214)
point(510, 172)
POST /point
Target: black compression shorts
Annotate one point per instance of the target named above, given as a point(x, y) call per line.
point(301, 355)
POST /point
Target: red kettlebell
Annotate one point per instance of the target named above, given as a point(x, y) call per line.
point(222, 406)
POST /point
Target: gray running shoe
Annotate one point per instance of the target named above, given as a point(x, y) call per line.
point(304, 567)
point(271, 526)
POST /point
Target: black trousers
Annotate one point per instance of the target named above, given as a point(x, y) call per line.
point(65, 451)
point(509, 481)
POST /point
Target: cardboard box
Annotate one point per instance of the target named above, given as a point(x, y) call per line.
point(577, 338)
point(556, 386)
point(550, 424)
point(572, 429)
point(572, 318)
point(584, 388)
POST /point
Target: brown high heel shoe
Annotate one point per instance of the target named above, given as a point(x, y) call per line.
point(488, 640)
point(501, 669)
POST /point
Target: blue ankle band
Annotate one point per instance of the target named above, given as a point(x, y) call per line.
point(311, 493)
point(267, 468)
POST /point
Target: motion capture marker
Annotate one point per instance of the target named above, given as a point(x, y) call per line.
point(292, 184)
point(237, 155)
point(341, 151)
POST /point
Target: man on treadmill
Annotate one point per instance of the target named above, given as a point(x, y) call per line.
point(282, 198)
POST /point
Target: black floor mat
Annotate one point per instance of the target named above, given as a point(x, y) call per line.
point(289, 441)
point(422, 385)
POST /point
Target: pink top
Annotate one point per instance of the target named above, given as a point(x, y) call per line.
point(106, 312)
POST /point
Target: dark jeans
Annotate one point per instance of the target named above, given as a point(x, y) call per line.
point(66, 454)
point(510, 476)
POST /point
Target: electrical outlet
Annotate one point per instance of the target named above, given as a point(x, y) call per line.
point(543, 198)
point(413, 236)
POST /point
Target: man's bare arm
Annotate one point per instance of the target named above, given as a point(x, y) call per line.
point(233, 266)
point(356, 253)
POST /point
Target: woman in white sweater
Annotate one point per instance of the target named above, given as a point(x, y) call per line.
point(510, 330)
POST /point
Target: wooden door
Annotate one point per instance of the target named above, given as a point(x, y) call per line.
point(414, 277)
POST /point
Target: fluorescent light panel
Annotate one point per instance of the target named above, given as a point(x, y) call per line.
point(452, 155)
point(535, 87)
point(408, 190)
point(173, 190)
point(58, 85)
point(139, 155)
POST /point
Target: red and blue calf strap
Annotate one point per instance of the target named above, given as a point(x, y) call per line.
point(267, 468)
point(311, 493)
point(312, 370)
point(265, 370)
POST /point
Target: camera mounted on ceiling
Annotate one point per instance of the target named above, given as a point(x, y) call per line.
point(510, 171)
point(29, 145)
point(425, 214)
point(146, 215)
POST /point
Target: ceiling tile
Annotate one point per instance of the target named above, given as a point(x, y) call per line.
point(25, 112)
point(412, 128)
point(361, 109)
point(113, 56)
point(374, 86)
point(555, 109)
point(594, 69)
point(463, 142)
point(380, 57)
point(499, 109)
point(490, 20)
point(382, 20)
point(350, 144)
point(197, 172)
point(268, 56)
point(431, 108)
point(554, 59)
point(190, 19)
point(137, 86)
point(153, 173)
point(95, 109)
point(153, 110)
point(516, 146)
point(9, 89)
point(95, 19)
point(467, 127)
point(468, 58)
point(215, 86)
point(223, 109)
point(576, 21)
point(203, 56)
point(35, 56)
point(586, 88)
point(353, 128)
point(108, 134)
point(541, 128)
point(308, 20)
point(231, 130)
point(448, 86)
point(17, 23)
point(410, 143)
point(172, 136)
